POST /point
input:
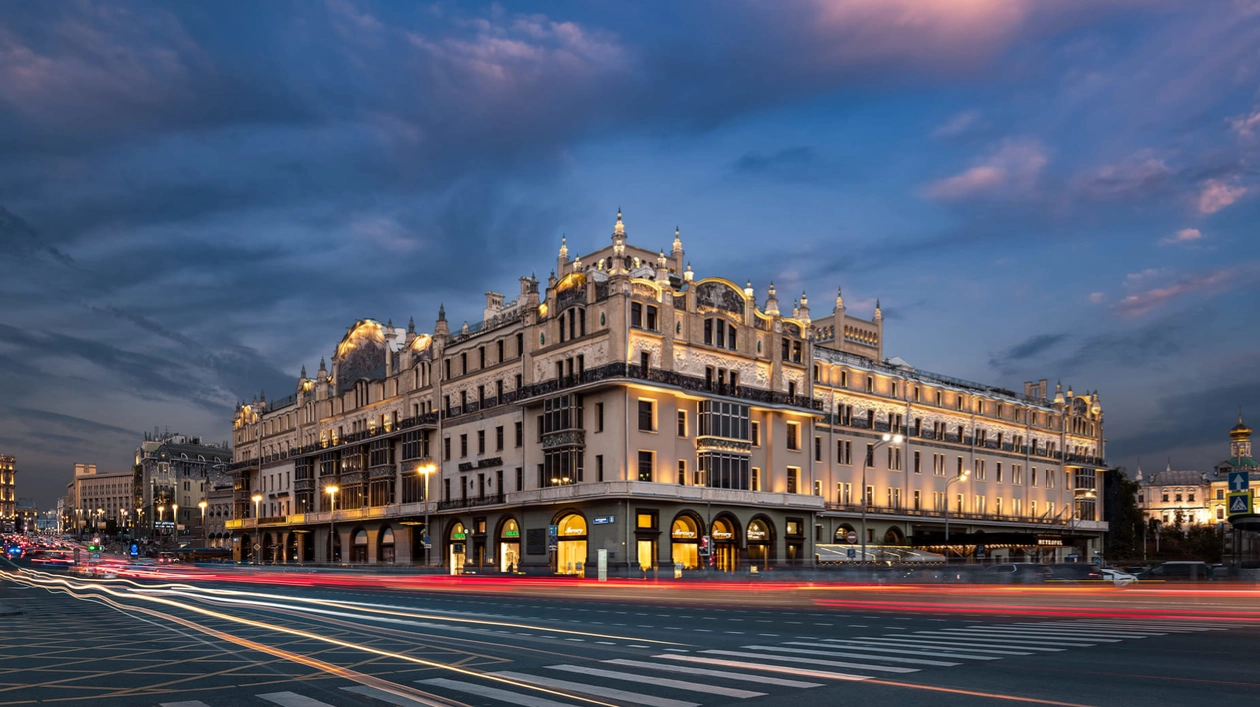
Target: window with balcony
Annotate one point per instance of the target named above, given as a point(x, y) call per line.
point(724, 471)
point(563, 412)
point(718, 418)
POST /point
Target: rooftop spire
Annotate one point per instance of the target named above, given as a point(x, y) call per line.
point(304, 371)
point(411, 325)
point(442, 312)
point(619, 228)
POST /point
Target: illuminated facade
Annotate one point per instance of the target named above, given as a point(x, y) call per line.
point(631, 407)
point(172, 470)
point(99, 499)
point(8, 492)
point(1200, 496)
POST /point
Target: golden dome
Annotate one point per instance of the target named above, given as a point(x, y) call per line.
point(1241, 429)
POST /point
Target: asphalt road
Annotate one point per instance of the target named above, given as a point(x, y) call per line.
point(215, 644)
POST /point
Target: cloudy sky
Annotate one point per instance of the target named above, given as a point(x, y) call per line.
point(196, 199)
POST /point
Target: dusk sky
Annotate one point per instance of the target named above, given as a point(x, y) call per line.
point(197, 199)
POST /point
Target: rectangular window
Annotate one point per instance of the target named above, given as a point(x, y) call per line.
point(844, 379)
point(645, 520)
point(520, 478)
point(481, 442)
point(682, 423)
point(793, 479)
point(817, 488)
point(918, 500)
point(1050, 480)
point(636, 314)
point(817, 449)
point(446, 448)
point(682, 472)
point(793, 435)
point(870, 455)
point(651, 318)
point(755, 479)
point(599, 467)
point(756, 433)
point(498, 438)
point(646, 462)
point(1032, 478)
point(980, 470)
point(647, 415)
point(844, 451)
point(520, 433)
point(918, 462)
point(463, 445)
point(960, 466)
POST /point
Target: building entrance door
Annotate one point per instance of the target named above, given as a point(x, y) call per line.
point(509, 546)
point(725, 546)
point(571, 545)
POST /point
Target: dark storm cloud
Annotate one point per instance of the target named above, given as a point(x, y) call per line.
point(1028, 348)
point(1194, 418)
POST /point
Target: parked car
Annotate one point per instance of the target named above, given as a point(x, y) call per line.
point(1074, 572)
point(1015, 573)
point(1178, 571)
point(1118, 578)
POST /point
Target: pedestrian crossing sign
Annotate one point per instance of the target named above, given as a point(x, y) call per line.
point(1239, 503)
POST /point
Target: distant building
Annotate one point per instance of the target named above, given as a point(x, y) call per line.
point(100, 499)
point(1194, 496)
point(218, 513)
point(172, 470)
point(26, 515)
point(8, 492)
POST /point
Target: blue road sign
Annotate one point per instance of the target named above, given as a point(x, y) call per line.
point(134, 550)
point(851, 553)
point(1239, 503)
point(553, 530)
point(604, 520)
point(1239, 481)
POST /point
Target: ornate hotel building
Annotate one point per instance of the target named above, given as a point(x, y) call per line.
point(632, 410)
point(8, 493)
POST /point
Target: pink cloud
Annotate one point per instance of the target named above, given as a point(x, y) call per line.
point(1182, 237)
point(1014, 166)
point(1216, 195)
point(1206, 282)
point(1097, 297)
point(957, 125)
point(1246, 125)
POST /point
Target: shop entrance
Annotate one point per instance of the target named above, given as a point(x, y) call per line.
point(725, 546)
point(458, 543)
point(571, 545)
point(759, 543)
point(509, 546)
point(647, 554)
point(685, 542)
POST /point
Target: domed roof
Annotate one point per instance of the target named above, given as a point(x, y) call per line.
point(1241, 429)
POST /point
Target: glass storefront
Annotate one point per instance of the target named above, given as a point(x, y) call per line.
point(685, 540)
point(458, 547)
point(509, 546)
point(725, 546)
point(759, 540)
point(359, 547)
point(571, 545)
point(386, 552)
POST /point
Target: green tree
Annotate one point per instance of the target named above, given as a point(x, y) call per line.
point(1124, 537)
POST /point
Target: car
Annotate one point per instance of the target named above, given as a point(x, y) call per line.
point(1074, 572)
point(1118, 578)
point(1178, 571)
point(1015, 573)
point(167, 558)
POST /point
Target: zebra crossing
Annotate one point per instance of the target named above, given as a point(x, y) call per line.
point(720, 676)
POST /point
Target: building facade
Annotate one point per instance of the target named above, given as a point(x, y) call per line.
point(101, 501)
point(1199, 497)
point(170, 478)
point(8, 492)
point(632, 411)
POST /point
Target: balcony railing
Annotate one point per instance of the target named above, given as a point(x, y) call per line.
point(924, 513)
point(471, 502)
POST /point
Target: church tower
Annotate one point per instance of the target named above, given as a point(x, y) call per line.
point(1240, 440)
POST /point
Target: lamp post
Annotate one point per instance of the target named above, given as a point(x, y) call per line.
point(870, 456)
point(205, 539)
point(161, 511)
point(426, 467)
point(256, 498)
point(961, 477)
point(175, 521)
point(332, 509)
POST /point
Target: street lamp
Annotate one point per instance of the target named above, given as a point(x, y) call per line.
point(870, 456)
point(426, 467)
point(961, 477)
point(332, 530)
point(256, 498)
point(205, 538)
point(175, 520)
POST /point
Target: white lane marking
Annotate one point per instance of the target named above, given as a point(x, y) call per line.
point(692, 670)
point(292, 699)
point(861, 648)
point(493, 693)
point(812, 661)
point(834, 654)
point(384, 696)
point(598, 691)
point(1081, 631)
point(1137, 626)
point(1008, 637)
point(663, 682)
point(940, 645)
point(802, 672)
point(188, 703)
point(1074, 634)
point(636, 645)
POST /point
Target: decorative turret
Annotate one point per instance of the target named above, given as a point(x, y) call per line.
point(303, 376)
point(879, 313)
point(688, 275)
point(563, 258)
point(1058, 393)
point(677, 251)
point(772, 302)
point(441, 330)
point(1240, 439)
point(748, 290)
point(662, 268)
point(619, 231)
point(839, 300)
point(1070, 394)
point(323, 369)
point(803, 312)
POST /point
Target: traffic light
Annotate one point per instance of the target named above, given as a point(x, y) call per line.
point(704, 545)
point(93, 547)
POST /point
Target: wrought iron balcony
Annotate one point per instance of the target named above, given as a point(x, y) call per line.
point(470, 502)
